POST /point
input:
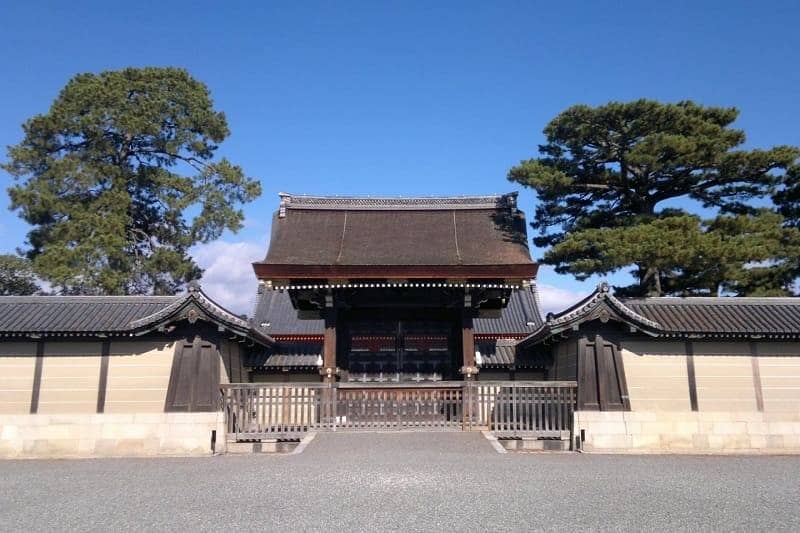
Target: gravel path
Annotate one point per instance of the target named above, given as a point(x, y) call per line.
point(403, 481)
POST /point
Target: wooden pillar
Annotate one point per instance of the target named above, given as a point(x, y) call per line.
point(690, 375)
point(469, 368)
point(37, 377)
point(622, 380)
point(329, 369)
point(103, 381)
point(757, 387)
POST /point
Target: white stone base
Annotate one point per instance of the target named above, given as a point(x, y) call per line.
point(537, 445)
point(688, 432)
point(109, 435)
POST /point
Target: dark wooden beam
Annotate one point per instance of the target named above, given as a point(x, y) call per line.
point(522, 271)
point(329, 346)
point(468, 345)
point(605, 381)
point(757, 387)
point(103, 382)
point(37, 377)
point(690, 373)
point(621, 379)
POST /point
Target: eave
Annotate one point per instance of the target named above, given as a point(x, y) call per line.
point(196, 305)
point(600, 305)
point(136, 318)
point(265, 271)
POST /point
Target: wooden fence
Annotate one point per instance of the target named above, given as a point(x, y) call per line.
point(255, 411)
point(522, 408)
point(541, 409)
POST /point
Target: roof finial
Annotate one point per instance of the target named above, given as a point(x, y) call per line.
point(286, 199)
point(194, 286)
point(603, 286)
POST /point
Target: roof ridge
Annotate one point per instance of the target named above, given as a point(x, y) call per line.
point(87, 297)
point(726, 300)
point(489, 201)
point(601, 293)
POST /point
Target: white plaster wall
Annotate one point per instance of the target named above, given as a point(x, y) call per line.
point(657, 376)
point(138, 376)
point(17, 362)
point(70, 377)
point(724, 376)
point(780, 382)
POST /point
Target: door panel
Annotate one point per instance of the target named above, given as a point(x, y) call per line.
point(194, 379)
point(399, 350)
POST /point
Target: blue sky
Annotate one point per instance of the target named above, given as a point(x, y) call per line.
point(403, 98)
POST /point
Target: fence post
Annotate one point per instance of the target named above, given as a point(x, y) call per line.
point(468, 401)
point(333, 403)
point(514, 408)
point(464, 401)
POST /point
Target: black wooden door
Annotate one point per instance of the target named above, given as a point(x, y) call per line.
point(194, 380)
point(601, 376)
point(397, 350)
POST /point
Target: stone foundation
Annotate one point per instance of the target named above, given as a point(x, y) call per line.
point(538, 445)
point(110, 435)
point(264, 446)
point(688, 432)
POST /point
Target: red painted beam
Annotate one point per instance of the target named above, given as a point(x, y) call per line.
point(269, 271)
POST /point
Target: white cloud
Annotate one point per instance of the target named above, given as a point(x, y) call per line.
point(555, 299)
point(228, 276)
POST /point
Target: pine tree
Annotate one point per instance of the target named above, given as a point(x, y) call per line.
point(119, 179)
point(16, 276)
point(605, 173)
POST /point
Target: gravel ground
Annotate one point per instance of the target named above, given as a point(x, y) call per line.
point(403, 481)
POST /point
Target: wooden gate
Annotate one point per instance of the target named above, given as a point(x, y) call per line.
point(539, 409)
point(429, 407)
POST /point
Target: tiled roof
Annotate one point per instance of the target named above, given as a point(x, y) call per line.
point(300, 201)
point(521, 316)
point(71, 315)
point(500, 352)
point(724, 315)
point(719, 317)
point(289, 354)
point(601, 297)
point(504, 353)
point(42, 314)
point(322, 232)
point(275, 315)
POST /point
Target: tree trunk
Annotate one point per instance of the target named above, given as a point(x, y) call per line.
point(651, 281)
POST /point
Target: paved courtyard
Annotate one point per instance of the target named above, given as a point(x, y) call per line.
point(405, 481)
